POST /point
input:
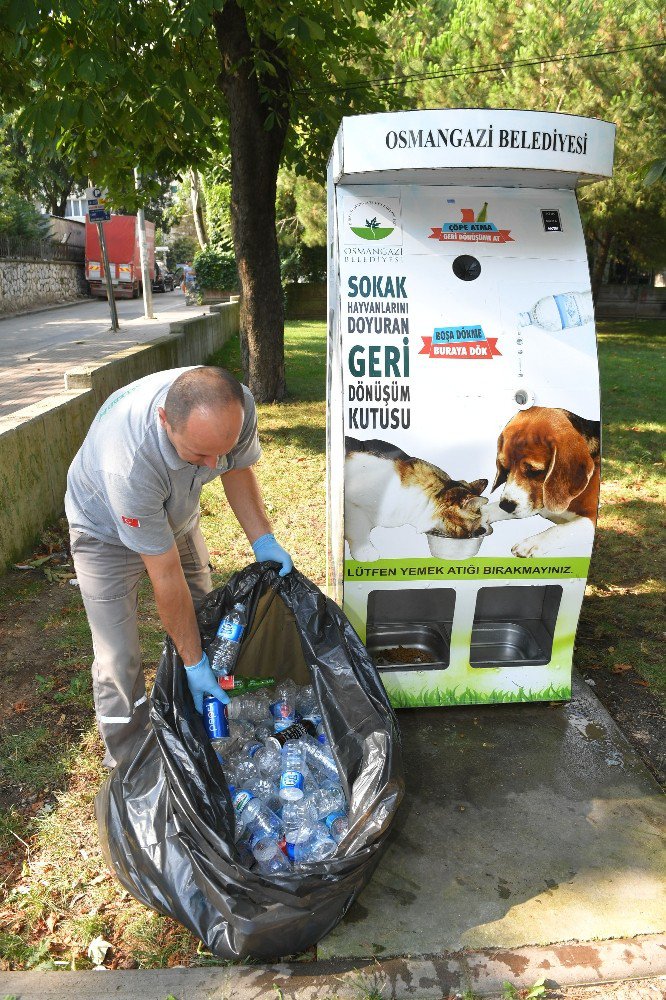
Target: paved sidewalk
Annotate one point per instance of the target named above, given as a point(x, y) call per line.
point(37, 349)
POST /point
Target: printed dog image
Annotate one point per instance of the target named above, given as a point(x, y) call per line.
point(386, 487)
point(548, 461)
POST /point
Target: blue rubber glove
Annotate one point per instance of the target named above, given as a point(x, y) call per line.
point(266, 549)
point(202, 681)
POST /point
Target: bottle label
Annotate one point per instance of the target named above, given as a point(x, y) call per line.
point(232, 631)
point(241, 800)
point(291, 779)
point(567, 307)
point(253, 749)
point(331, 818)
point(289, 850)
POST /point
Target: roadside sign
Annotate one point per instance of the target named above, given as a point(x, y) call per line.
point(97, 210)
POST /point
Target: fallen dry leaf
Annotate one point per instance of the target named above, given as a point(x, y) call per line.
point(20, 706)
point(51, 921)
point(641, 683)
point(621, 668)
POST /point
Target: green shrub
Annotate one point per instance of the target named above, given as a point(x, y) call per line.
point(216, 268)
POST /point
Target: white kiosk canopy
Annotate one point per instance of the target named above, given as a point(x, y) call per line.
point(475, 147)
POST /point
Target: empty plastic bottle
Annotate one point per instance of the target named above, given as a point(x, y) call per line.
point(320, 758)
point(292, 779)
point(284, 712)
point(307, 704)
point(223, 651)
point(311, 843)
point(258, 820)
point(253, 707)
point(266, 790)
point(328, 799)
point(560, 312)
point(270, 859)
point(337, 825)
point(268, 760)
point(245, 772)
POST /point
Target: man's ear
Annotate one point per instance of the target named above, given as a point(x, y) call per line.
point(162, 415)
point(500, 477)
point(570, 470)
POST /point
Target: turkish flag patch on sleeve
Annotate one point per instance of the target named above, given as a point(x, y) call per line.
point(132, 521)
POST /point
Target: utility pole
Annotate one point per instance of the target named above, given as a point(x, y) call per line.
point(115, 325)
point(143, 252)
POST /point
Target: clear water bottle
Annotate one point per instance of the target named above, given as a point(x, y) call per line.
point(337, 825)
point(307, 704)
point(253, 707)
point(245, 772)
point(284, 712)
point(223, 651)
point(260, 822)
point(319, 757)
point(270, 859)
point(292, 779)
point(328, 799)
point(296, 815)
point(560, 312)
point(267, 791)
point(312, 842)
point(269, 761)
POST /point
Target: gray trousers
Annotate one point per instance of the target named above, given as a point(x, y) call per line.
point(109, 576)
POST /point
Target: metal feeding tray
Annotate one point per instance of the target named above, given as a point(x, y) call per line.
point(408, 646)
point(495, 643)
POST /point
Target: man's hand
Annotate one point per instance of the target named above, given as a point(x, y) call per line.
point(202, 681)
point(266, 549)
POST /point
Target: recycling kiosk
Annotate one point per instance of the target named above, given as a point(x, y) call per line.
point(463, 397)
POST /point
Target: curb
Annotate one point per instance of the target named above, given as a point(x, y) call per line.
point(47, 308)
point(424, 978)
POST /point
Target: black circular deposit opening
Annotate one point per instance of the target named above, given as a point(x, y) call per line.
point(466, 267)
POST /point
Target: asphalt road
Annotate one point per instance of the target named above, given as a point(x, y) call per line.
point(37, 349)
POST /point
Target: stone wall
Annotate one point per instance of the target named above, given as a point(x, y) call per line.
point(26, 284)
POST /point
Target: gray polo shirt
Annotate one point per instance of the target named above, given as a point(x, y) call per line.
point(127, 485)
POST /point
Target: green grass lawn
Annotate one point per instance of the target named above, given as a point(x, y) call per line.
point(622, 620)
point(58, 894)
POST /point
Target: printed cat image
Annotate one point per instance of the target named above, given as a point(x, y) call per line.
point(384, 487)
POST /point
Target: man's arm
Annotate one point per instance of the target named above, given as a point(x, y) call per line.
point(245, 499)
point(174, 603)
point(244, 496)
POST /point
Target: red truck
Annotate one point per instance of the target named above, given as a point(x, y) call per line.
point(122, 246)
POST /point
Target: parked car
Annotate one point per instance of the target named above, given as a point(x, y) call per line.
point(164, 280)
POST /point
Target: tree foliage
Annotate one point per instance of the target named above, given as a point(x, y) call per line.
point(495, 53)
point(159, 84)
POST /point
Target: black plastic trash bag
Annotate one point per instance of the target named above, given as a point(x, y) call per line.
point(165, 817)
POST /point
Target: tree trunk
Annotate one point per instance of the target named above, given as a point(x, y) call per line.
point(255, 158)
point(603, 242)
point(197, 209)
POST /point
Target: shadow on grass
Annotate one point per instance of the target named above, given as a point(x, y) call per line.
point(301, 437)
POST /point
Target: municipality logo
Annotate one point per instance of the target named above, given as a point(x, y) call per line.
point(372, 220)
point(472, 228)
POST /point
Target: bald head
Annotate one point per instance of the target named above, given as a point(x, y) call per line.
point(203, 414)
point(207, 390)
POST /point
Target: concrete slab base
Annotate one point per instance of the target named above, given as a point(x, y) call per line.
point(434, 978)
point(522, 825)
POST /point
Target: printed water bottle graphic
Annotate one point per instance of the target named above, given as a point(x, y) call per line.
point(559, 312)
